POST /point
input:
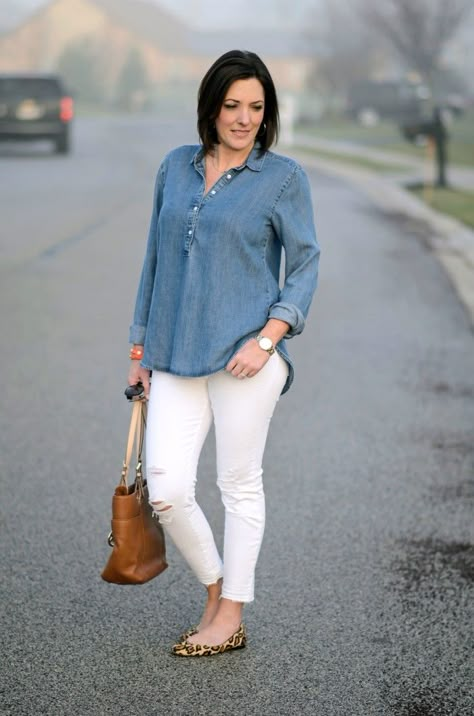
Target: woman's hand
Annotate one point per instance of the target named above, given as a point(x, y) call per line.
point(137, 374)
point(248, 360)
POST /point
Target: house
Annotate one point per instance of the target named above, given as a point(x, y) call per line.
point(171, 52)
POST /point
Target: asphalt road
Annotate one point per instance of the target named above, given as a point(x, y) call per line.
point(365, 582)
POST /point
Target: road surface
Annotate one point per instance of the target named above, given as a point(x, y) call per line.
point(365, 581)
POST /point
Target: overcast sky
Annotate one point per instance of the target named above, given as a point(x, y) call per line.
point(203, 14)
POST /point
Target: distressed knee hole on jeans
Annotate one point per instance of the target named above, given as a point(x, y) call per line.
point(162, 511)
point(159, 506)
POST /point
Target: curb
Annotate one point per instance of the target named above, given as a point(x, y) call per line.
point(451, 241)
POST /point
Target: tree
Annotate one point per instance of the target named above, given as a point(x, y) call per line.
point(133, 82)
point(346, 49)
point(80, 64)
point(344, 52)
point(418, 30)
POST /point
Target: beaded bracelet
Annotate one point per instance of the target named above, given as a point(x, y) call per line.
point(136, 353)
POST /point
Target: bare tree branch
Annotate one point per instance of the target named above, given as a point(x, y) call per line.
point(345, 49)
point(419, 30)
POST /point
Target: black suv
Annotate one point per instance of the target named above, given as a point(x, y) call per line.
point(369, 101)
point(34, 106)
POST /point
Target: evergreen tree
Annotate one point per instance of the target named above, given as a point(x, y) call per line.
point(80, 65)
point(133, 82)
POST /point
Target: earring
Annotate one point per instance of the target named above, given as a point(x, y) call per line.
point(260, 133)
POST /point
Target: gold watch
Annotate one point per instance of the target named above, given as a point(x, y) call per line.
point(265, 344)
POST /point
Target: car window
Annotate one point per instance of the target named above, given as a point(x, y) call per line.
point(28, 87)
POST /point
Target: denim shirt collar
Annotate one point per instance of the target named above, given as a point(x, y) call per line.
point(254, 160)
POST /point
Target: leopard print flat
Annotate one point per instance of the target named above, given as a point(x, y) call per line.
point(237, 641)
point(186, 634)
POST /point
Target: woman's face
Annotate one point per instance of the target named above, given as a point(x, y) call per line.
point(241, 115)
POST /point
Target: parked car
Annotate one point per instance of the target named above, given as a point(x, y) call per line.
point(36, 106)
point(369, 101)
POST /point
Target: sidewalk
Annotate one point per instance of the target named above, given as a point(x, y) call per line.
point(451, 241)
point(460, 177)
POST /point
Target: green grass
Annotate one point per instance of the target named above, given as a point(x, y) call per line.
point(371, 164)
point(344, 129)
point(459, 152)
point(456, 203)
point(387, 137)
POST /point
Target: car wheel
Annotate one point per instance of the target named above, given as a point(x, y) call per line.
point(63, 144)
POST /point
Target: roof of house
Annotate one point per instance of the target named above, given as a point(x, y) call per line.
point(162, 29)
point(150, 22)
point(166, 31)
point(267, 44)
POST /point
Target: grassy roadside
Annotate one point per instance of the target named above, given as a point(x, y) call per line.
point(386, 136)
point(362, 162)
point(454, 202)
point(458, 203)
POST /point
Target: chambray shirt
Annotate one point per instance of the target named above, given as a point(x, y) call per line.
point(210, 278)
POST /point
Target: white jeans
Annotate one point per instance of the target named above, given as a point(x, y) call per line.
point(180, 413)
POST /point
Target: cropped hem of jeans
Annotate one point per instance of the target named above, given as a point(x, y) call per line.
point(210, 581)
point(237, 598)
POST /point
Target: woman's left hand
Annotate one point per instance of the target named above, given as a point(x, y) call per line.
point(248, 360)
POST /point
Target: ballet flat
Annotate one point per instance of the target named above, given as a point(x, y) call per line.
point(237, 641)
point(186, 634)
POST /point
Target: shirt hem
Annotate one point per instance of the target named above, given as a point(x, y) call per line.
point(204, 374)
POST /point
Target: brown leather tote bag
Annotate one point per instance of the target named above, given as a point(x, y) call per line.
point(137, 538)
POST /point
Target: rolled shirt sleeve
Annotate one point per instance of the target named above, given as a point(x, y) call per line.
point(293, 223)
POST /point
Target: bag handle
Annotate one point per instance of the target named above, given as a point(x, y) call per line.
point(136, 435)
point(139, 437)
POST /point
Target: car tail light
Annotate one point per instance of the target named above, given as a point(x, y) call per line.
point(66, 109)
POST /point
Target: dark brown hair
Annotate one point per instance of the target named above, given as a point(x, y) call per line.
point(232, 66)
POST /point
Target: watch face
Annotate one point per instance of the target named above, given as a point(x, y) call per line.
point(265, 343)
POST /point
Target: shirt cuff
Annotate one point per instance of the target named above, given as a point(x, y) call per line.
point(137, 335)
point(289, 313)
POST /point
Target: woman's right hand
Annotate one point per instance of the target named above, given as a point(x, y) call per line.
point(137, 374)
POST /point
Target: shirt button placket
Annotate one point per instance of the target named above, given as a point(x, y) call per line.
point(192, 217)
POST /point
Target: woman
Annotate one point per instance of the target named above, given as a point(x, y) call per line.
point(209, 322)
